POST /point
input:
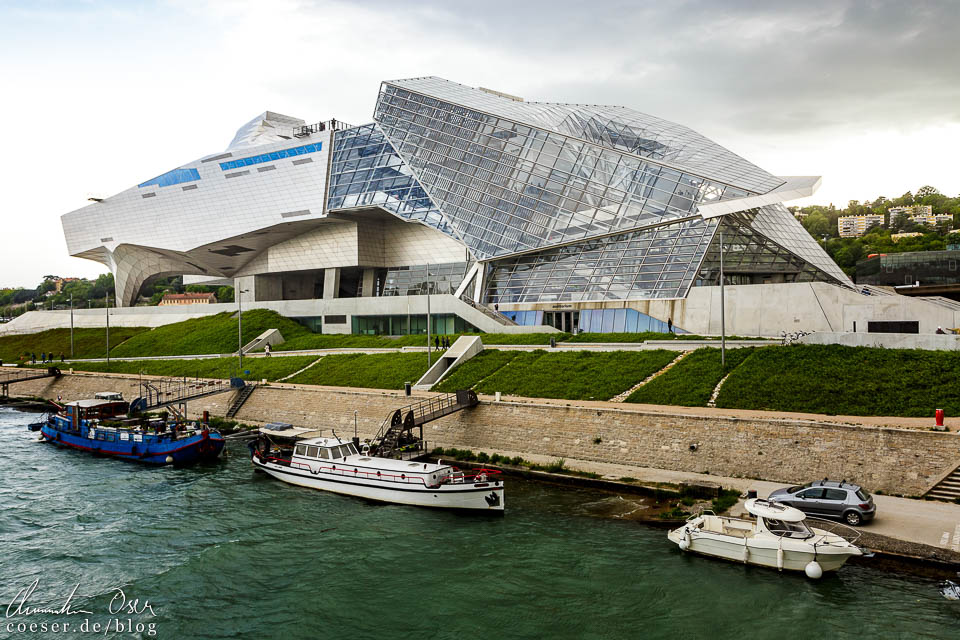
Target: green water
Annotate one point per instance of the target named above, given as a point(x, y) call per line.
point(223, 552)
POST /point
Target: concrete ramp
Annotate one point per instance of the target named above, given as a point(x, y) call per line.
point(270, 336)
point(462, 350)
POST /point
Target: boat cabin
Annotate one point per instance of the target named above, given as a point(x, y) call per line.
point(325, 449)
point(774, 518)
point(94, 409)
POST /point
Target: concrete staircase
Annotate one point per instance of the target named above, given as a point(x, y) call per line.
point(947, 489)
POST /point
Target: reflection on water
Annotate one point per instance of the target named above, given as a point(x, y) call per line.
point(224, 552)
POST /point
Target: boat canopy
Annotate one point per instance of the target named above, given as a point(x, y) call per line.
point(774, 510)
point(286, 432)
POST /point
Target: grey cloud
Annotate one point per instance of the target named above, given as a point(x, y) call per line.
point(762, 66)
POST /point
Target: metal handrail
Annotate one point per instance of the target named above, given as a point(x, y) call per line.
point(848, 533)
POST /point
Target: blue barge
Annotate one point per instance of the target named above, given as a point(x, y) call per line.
point(101, 426)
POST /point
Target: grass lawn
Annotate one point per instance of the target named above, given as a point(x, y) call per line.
point(839, 380)
point(87, 343)
point(376, 371)
point(211, 334)
point(476, 369)
point(691, 381)
point(259, 368)
point(320, 341)
point(575, 376)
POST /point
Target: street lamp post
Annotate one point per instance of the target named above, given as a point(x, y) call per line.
point(723, 314)
point(428, 316)
point(71, 326)
point(240, 291)
point(108, 329)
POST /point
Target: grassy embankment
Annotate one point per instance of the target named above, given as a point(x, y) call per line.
point(211, 334)
point(690, 382)
point(259, 368)
point(87, 343)
point(577, 375)
point(376, 371)
point(328, 341)
point(838, 380)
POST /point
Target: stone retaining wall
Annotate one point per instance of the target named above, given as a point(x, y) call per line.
point(901, 461)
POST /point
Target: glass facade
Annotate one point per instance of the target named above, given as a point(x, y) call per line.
point(424, 279)
point(654, 263)
point(621, 321)
point(508, 187)
point(749, 257)
point(171, 178)
point(898, 269)
point(413, 324)
point(268, 157)
point(367, 172)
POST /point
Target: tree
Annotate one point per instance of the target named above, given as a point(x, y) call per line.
point(817, 225)
point(225, 294)
point(925, 191)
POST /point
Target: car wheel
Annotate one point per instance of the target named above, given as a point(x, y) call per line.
point(853, 518)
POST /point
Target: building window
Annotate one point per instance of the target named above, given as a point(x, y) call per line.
point(268, 157)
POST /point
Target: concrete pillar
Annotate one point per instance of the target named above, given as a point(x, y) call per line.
point(331, 283)
point(369, 278)
point(247, 285)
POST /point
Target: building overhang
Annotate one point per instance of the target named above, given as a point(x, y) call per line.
point(794, 187)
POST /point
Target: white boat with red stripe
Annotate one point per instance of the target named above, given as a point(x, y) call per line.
point(332, 464)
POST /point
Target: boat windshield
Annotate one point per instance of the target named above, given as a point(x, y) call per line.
point(797, 530)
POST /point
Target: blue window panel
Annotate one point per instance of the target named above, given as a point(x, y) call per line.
point(173, 177)
point(273, 155)
point(619, 320)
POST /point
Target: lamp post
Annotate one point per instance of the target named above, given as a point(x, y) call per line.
point(108, 329)
point(428, 316)
point(71, 326)
point(723, 314)
point(239, 292)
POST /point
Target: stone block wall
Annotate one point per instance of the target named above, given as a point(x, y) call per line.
point(902, 461)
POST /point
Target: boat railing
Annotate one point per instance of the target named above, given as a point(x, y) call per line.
point(849, 534)
point(478, 476)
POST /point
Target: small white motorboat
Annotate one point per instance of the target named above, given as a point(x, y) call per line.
point(778, 538)
point(332, 464)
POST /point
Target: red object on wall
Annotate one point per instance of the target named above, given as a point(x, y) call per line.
point(939, 417)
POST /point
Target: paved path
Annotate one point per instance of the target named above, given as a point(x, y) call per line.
point(933, 523)
point(712, 412)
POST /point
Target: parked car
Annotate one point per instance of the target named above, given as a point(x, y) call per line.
point(830, 499)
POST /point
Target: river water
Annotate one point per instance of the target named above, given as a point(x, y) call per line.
point(223, 552)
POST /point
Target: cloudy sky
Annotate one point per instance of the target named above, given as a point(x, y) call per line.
point(98, 96)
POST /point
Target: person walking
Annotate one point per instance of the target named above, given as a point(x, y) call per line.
point(436, 342)
point(669, 325)
point(61, 356)
point(43, 357)
point(33, 358)
point(266, 351)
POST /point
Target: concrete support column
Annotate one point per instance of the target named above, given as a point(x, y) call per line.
point(369, 278)
point(246, 284)
point(331, 283)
